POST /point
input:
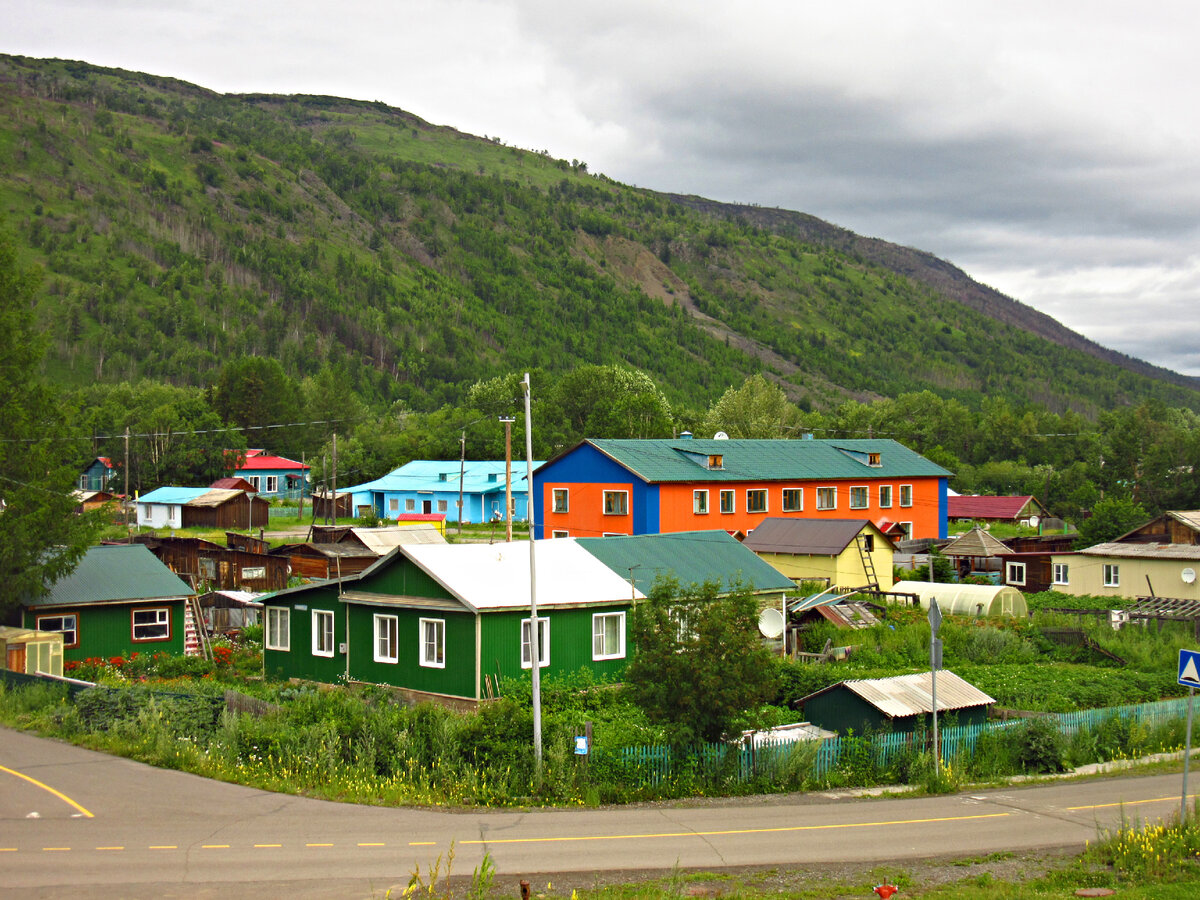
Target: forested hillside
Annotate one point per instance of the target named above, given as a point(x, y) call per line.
point(393, 260)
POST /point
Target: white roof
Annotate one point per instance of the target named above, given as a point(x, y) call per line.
point(383, 540)
point(496, 576)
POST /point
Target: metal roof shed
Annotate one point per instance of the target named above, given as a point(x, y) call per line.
point(903, 703)
point(989, 600)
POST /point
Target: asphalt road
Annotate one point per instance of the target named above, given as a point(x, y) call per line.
point(83, 824)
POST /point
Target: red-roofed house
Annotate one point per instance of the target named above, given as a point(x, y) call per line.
point(976, 508)
point(273, 476)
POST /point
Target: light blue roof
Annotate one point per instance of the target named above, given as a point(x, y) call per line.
point(172, 495)
point(479, 477)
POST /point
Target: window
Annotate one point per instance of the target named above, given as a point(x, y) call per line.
point(433, 643)
point(1016, 574)
point(67, 625)
point(727, 501)
point(885, 496)
point(387, 639)
point(756, 501)
point(394, 504)
point(869, 542)
point(557, 533)
point(616, 503)
point(827, 498)
point(443, 505)
point(410, 504)
point(322, 632)
point(906, 527)
point(858, 497)
point(562, 499)
point(906, 495)
point(253, 479)
point(272, 484)
point(151, 624)
point(543, 643)
point(700, 503)
point(608, 636)
point(279, 634)
point(793, 499)
point(1112, 575)
point(874, 459)
point(1061, 573)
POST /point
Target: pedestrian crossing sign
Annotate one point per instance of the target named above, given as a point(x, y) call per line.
point(1189, 668)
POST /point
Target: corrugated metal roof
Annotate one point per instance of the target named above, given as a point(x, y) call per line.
point(766, 460)
point(384, 540)
point(1143, 551)
point(912, 695)
point(215, 497)
point(115, 573)
point(809, 537)
point(1188, 517)
point(258, 462)
point(975, 542)
point(691, 557)
point(975, 506)
point(173, 496)
point(479, 477)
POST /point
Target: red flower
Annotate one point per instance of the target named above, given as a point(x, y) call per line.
point(116, 661)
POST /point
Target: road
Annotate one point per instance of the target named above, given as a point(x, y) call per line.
point(90, 825)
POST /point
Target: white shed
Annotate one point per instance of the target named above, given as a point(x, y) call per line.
point(967, 599)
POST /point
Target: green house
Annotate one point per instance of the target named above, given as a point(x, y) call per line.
point(902, 703)
point(119, 600)
point(447, 621)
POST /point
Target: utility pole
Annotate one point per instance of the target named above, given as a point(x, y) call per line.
point(534, 631)
point(462, 468)
point(128, 529)
point(303, 484)
point(333, 512)
point(507, 420)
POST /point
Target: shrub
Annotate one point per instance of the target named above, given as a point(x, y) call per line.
point(1039, 746)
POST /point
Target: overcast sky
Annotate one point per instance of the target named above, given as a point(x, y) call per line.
point(1050, 149)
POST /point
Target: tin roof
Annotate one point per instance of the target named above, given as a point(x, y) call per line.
point(691, 557)
point(1143, 551)
point(115, 573)
point(808, 537)
point(478, 477)
point(974, 506)
point(173, 496)
point(384, 540)
point(975, 542)
point(688, 460)
point(912, 695)
point(258, 461)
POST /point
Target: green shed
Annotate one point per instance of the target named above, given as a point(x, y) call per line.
point(902, 703)
point(119, 600)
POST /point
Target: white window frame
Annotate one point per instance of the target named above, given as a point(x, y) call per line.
point(600, 635)
point(824, 496)
point(1062, 573)
point(766, 501)
point(387, 639)
point(700, 503)
point(885, 496)
point(563, 494)
point(864, 491)
point(44, 623)
point(796, 507)
point(410, 504)
point(624, 504)
point(731, 496)
point(906, 491)
point(1112, 574)
point(435, 641)
point(393, 504)
point(253, 481)
point(320, 632)
point(907, 527)
point(272, 484)
point(560, 533)
point(543, 643)
point(1015, 573)
point(281, 637)
point(161, 619)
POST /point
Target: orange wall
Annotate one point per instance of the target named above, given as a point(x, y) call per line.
point(585, 516)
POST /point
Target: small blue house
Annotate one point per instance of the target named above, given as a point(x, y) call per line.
point(99, 475)
point(432, 486)
point(274, 476)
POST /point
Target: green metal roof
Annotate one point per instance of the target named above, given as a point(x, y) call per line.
point(686, 459)
point(691, 557)
point(115, 573)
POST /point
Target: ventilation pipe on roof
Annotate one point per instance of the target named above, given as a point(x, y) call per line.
point(685, 435)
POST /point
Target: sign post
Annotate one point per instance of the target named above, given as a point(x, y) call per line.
point(935, 662)
point(1189, 675)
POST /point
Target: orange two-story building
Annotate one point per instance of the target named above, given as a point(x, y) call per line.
point(602, 487)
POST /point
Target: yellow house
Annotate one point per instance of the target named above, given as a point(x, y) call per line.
point(1127, 570)
point(844, 552)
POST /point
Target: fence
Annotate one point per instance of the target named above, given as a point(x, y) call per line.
point(652, 765)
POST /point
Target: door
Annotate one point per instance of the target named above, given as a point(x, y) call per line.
point(16, 658)
point(427, 506)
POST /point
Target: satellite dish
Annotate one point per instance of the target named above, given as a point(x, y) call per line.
point(720, 436)
point(770, 623)
point(1033, 521)
point(1188, 575)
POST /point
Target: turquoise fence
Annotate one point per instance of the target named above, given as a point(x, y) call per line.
point(283, 512)
point(652, 765)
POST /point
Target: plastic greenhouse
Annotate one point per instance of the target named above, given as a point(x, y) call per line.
point(988, 600)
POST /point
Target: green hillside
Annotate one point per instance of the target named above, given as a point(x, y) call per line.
point(180, 229)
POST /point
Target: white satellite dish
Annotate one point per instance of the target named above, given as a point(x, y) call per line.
point(720, 436)
point(1188, 575)
point(770, 623)
point(1033, 521)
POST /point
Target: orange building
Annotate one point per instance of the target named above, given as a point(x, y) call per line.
point(602, 487)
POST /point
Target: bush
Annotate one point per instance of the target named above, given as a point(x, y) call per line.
point(1039, 746)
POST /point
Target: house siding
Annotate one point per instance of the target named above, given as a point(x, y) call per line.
point(299, 661)
point(107, 631)
point(570, 643)
point(456, 679)
point(1085, 576)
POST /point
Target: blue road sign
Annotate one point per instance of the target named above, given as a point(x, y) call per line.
point(1189, 668)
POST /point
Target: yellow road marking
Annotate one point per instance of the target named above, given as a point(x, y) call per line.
point(678, 834)
point(54, 849)
point(165, 847)
point(372, 845)
point(268, 845)
point(1128, 803)
point(45, 787)
point(110, 848)
point(433, 843)
point(214, 846)
point(8, 849)
point(318, 845)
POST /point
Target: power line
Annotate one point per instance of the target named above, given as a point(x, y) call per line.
point(157, 434)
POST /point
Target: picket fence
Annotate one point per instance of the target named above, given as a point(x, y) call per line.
point(651, 765)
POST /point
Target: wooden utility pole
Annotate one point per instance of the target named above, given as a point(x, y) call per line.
point(128, 529)
point(507, 420)
point(333, 508)
point(462, 467)
point(534, 630)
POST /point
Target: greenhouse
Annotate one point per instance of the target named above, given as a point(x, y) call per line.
point(988, 600)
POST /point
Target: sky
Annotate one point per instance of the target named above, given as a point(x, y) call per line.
point(1049, 149)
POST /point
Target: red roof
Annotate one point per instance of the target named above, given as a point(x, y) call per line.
point(258, 461)
point(969, 506)
point(233, 483)
point(420, 517)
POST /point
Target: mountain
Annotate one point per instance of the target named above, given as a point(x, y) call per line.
point(180, 228)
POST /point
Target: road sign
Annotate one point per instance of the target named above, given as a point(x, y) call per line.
point(935, 654)
point(1189, 668)
point(935, 616)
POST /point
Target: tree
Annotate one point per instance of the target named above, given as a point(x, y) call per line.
point(254, 392)
point(41, 538)
point(758, 409)
point(699, 662)
point(1111, 518)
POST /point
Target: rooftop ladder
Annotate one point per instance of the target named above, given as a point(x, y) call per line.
point(868, 564)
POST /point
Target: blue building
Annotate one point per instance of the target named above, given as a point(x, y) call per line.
point(274, 476)
point(99, 475)
point(432, 487)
